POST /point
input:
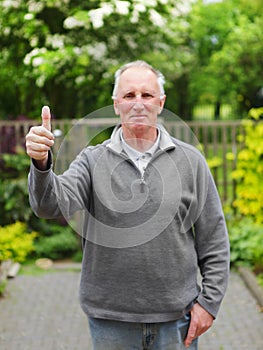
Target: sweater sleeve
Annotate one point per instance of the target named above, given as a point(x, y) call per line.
point(53, 196)
point(212, 244)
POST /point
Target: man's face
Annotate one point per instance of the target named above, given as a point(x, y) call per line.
point(138, 100)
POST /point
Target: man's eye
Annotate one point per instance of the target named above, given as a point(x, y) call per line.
point(129, 96)
point(146, 95)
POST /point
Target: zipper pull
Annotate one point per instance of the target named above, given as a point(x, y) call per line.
point(142, 184)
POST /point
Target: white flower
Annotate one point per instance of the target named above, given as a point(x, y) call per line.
point(72, 22)
point(33, 41)
point(35, 6)
point(27, 60)
point(6, 31)
point(77, 50)
point(80, 79)
point(140, 8)
point(96, 17)
point(98, 51)
point(35, 52)
point(183, 8)
point(211, 1)
point(28, 16)
point(135, 17)
point(151, 3)
point(37, 61)
point(11, 3)
point(40, 81)
point(56, 41)
point(122, 7)
point(107, 9)
point(156, 18)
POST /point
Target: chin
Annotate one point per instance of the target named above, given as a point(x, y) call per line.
point(139, 125)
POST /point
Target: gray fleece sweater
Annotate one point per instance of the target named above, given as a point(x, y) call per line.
point(144, 236)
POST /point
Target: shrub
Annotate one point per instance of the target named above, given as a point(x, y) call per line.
point(15, 242)
point(246, 242)
point(14, 205)
point(249, 172)
point(63, 243)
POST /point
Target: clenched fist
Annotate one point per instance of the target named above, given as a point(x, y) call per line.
point(40, 139)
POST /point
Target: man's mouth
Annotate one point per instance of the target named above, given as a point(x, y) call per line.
point(139, 116)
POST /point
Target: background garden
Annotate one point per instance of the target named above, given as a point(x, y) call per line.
point(64, 53)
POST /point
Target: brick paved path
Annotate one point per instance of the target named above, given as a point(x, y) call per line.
point(42, 313)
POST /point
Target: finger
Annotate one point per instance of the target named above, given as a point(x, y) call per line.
point(37, 155)
point(46, 118)
point(40, 134)
point(190, 334)
point(37, 151)
point(39, 142)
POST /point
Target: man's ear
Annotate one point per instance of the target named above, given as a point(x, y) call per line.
point(162, 102)
point(116, 108)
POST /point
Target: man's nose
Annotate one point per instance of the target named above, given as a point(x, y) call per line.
point(138, 102)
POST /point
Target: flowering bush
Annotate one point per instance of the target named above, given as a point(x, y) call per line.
point(249, 172)
point(15, 242)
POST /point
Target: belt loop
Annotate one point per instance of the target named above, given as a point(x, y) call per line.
point(149, 331)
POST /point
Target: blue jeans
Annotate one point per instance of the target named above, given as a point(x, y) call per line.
point(115, 335)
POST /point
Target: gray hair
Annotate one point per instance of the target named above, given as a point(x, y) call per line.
point(139, 64)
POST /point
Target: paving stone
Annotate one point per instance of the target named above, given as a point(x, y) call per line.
point(43, 313)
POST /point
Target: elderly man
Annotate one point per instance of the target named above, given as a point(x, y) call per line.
point(152, 219)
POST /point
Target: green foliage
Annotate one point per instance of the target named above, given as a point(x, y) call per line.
point(15, 242)
point(260, 279)
point(246, 241)
point(214, 162)
point(249, 172)
point(15, 165)
point(56, 52)
point(231, 65)
point(14, 204)
point(54, 241)
point(2, 287)
point(67, 51)
point(61, 243)
point(227, 38)
point(14, 201)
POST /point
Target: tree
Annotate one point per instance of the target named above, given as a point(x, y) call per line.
point(227, 39)
point(68, 50)
point(64, 52)
point(238, 66)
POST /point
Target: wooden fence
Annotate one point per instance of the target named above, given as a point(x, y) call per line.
point(216, 139)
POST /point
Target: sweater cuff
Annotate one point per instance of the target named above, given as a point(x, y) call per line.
point(211, 308)
point(49, 163)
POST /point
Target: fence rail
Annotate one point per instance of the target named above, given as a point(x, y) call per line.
point(217, 139)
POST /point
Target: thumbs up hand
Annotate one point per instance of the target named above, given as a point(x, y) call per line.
point(46, 118)
point(40, 139)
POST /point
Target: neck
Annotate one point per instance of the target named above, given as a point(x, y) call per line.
point(140, 142)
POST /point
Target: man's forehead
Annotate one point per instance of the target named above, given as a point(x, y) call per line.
point(138, 76)
point(141, 71)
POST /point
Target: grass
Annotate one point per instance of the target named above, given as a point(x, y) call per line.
point(206, 112)
point(260, 279)
point(2, 288)
point(31, 269)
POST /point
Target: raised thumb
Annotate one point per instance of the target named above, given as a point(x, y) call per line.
point(46, 118)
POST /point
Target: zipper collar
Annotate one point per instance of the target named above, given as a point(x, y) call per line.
point(115, 143)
